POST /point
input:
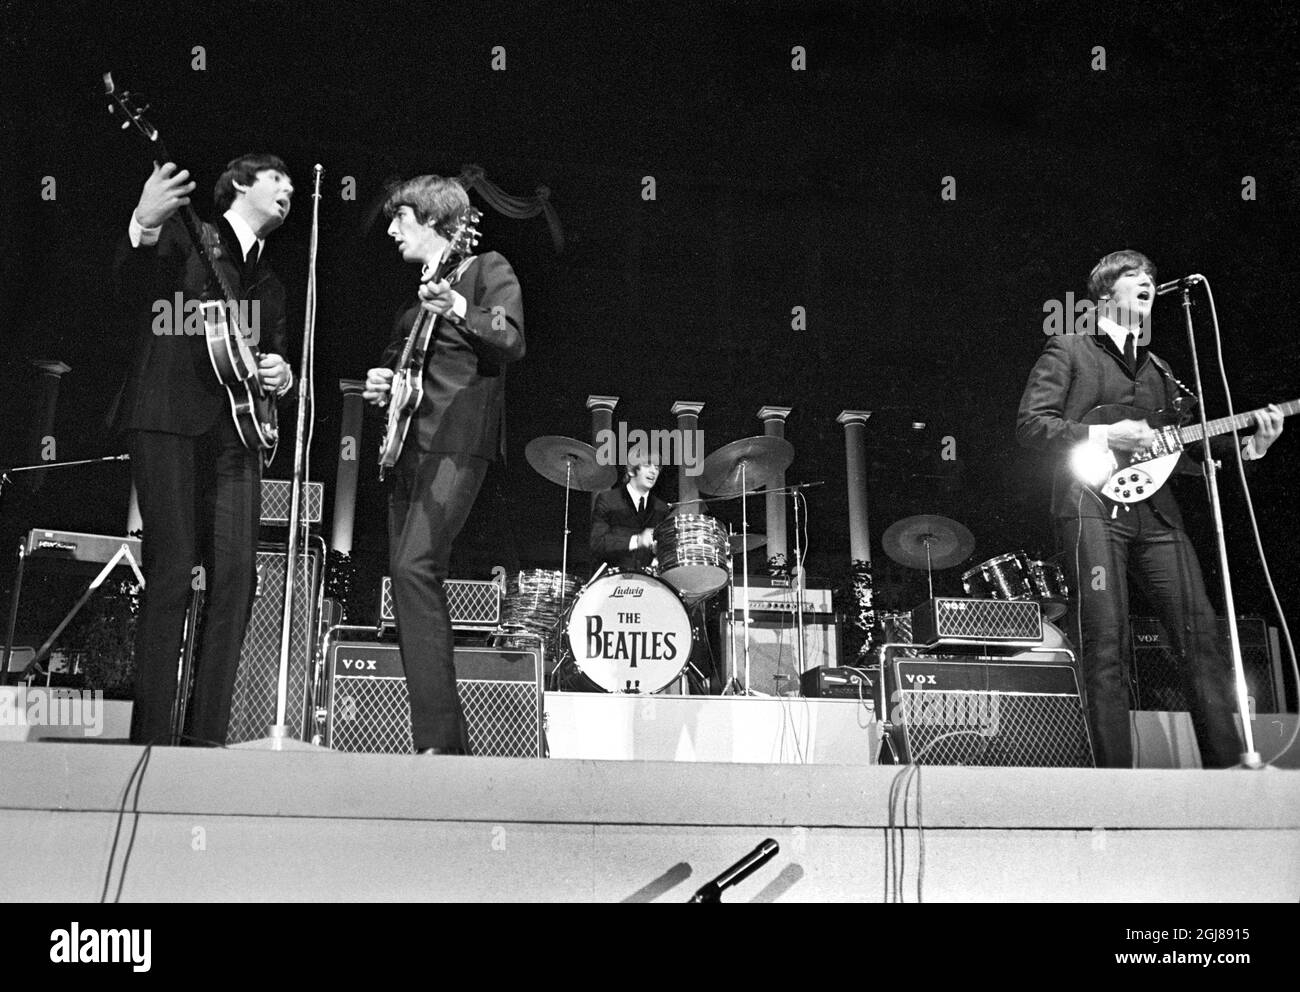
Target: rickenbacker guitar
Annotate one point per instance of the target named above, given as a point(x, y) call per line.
point(1133, 476)
point(408, 376)
point(233, 357)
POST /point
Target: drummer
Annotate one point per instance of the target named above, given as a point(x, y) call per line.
point(624, 518)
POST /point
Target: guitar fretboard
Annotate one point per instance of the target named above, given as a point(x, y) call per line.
point(1223, 425)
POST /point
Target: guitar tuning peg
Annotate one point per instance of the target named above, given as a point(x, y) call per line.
point(125, 125)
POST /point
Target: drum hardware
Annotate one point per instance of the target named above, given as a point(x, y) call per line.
point(731, 471)
point(572, 464)
point(928, 541)
point(694, 555)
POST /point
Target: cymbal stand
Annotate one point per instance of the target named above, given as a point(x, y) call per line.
point(929, 568)
point(744, 543)
point(799, 584)
point(564, 555)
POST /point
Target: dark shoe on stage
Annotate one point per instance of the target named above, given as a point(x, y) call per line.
point(440, 750)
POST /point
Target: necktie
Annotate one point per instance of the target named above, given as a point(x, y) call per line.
point(640, 506)
point(1130, 353)
point(250, 262)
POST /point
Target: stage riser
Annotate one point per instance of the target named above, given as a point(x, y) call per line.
point(178, 858)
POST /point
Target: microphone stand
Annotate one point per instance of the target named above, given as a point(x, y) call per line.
point(1250, 758)
point(278, 736)
point(742, 869)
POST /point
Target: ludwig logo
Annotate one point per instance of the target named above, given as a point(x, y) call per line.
point(621, 591)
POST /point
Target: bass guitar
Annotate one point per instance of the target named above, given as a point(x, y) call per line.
point(233, 356)
point(1133, 476)
point(408, 376)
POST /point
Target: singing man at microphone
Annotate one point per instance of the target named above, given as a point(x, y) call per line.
point(1106, 542)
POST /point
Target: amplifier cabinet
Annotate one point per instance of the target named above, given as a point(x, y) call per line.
point(1156, 679)
point(253, 706)
point(774, 649)
point(963, 711)
point(978, 621)
point(277, 501)
point(472, 604)
point(367, 707)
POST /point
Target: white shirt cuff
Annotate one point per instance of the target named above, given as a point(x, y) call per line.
point(1249, 452)
point(459, 306)
point(631, 544)
point(1097, 434)
point(141, 235)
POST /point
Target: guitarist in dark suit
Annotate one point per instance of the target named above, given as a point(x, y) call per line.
point(624, 518)
point(199, 487)
point(457, 431)
point(1107, 542)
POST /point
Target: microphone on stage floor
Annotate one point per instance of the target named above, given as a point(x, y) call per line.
point(742, 869)
point(1173, 284)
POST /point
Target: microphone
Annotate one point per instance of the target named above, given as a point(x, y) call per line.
point(1169, 287)
point(742, 869)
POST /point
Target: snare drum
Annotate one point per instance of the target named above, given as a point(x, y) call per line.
point(694, 554)
point(627, 632)
point(1004, 577)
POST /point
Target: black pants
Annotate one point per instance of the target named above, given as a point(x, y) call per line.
point(200, 502)
point(1102, 553)
point(432, 496)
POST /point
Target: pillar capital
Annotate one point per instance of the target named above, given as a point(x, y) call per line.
point(602, 403)
point(766, 413)
point(351, 387)
point(687, 407)
point(847, 417)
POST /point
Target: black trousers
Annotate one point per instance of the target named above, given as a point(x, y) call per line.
point(1102, 553)
point(432, 496)
point(201, 503)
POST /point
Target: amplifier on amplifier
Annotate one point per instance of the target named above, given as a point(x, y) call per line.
point(827, 682)
point(977, 621)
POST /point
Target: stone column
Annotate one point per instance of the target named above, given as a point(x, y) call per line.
point(778, 561)
point(345, 485)
point(687, 413)
point(855, 453)
point(44, 403)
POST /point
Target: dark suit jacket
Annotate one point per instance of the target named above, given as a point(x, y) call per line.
point(170, 385)
point(613, 522)
point(463, 407)
point(1074, 374)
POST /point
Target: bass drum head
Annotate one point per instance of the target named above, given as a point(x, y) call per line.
point(1053, 637)
point(629, 632)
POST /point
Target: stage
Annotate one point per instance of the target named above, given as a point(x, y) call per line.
point(625, 824)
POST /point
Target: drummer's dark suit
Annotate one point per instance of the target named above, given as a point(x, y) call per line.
point(1106, 542)
point(614, 522)
point(457, 431)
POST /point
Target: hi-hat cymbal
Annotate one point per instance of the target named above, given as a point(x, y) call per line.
point(559, 458)
point(750, 543)
point(763, 458)
point(949, 542)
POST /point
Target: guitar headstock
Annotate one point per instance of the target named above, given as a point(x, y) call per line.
point(125, 104)
point(464, 236)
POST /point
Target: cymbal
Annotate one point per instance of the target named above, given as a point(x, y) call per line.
point(950, 543)
point(763, 457)
point(753, 541)
point(556, 458)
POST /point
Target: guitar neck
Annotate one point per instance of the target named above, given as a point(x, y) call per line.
point(1223, 425)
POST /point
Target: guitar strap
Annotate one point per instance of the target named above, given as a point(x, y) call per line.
point(1168, 373)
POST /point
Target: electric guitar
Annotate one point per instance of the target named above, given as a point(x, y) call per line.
point(1133, 476)
point(408, 377)
point(233, 357)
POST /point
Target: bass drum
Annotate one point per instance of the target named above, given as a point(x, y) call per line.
point(627, 632)
point(1053, 637)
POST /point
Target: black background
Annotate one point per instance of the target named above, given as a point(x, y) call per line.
point(774, 189)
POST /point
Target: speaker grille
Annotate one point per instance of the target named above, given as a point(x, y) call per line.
point(990, 714)
point(252, 708)
point(277, 498)
point(977, 620)
point(1155, 675)
point(472, 604)
point(372, 712)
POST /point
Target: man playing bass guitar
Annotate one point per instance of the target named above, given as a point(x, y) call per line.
point(1106, 541)
point(198, 481)
point(455, 432)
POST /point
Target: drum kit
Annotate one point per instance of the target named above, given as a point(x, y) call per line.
point(631, 631)
point(928, 541)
